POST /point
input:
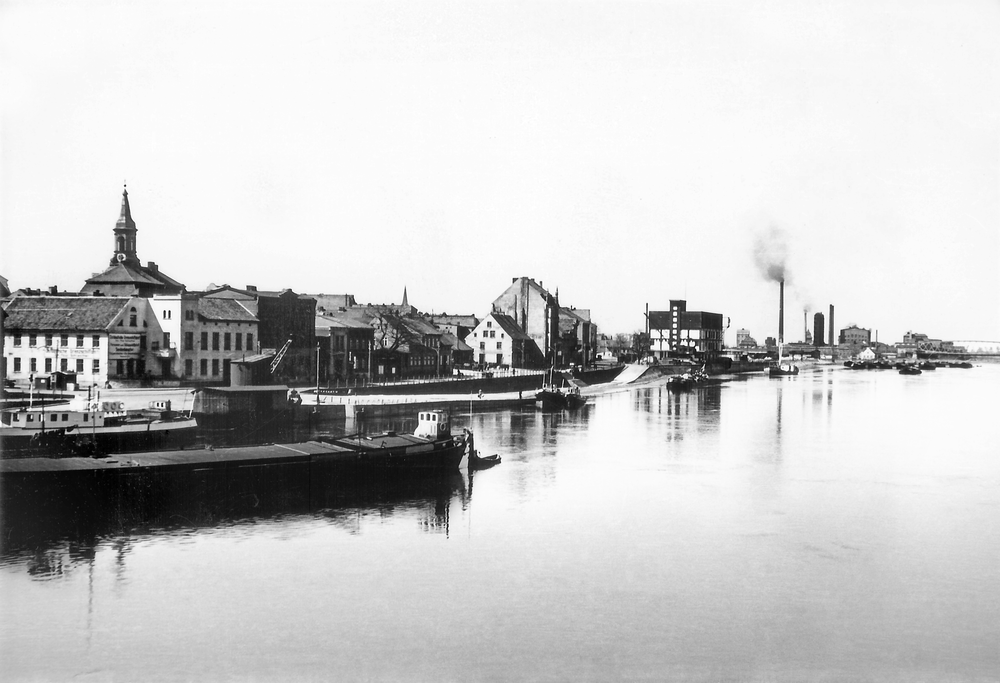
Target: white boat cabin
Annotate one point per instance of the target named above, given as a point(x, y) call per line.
point(92, 414)
point(432, 424)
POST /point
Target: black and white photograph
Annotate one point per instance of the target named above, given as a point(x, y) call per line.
point(485, 341)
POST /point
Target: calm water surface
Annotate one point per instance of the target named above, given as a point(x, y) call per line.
point(835, 526)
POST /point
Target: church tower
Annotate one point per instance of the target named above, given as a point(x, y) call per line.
point(125, 236)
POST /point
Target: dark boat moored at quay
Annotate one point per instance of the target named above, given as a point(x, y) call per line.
point(553, 398)
point(93, 429)
point(907, 369)
point(430, 450)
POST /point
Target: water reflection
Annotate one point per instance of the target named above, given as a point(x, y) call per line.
point(50, 530)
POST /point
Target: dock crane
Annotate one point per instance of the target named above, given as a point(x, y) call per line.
point(281, 354)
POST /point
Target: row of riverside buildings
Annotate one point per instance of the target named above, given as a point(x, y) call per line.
point(132, 325)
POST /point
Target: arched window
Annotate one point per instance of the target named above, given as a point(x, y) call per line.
point(132, 317)
point(121, 242)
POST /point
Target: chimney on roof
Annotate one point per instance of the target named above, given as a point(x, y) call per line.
point(153, 267)
point(251, 288)
point(53, 289)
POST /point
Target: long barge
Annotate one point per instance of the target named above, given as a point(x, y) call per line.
point(431, 448)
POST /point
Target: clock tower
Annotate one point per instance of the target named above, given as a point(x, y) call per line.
point(125, 236)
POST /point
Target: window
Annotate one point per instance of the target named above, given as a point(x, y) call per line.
point(32, 340)
point(86, 417)
point(166, 340)
point(48, 340)
point(499, 345)
point(48, 365)
point(96, 369)
point(167, 315)
point(120, 367)
point(79, 341)
point(64, 364)
point(249, 342)
point(189, 342)
point(79, 365)
point(33, 365)
point(188, 367)
point(189, 315)
point(489, 323)
point(239, 341)
point(204, 341)
point(215, 341)
point(482, 346)
point(215, 367)
point(132, 317)
point(17, 365)
point(226, 341)
point(65, 417)
point(96, 341)
point(17, 340)
point(204, 367)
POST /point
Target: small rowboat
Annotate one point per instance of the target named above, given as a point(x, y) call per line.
point(477, 462)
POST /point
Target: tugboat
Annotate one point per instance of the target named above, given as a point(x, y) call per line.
point(908, 369)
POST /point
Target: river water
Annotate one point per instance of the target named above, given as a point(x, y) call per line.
point(839, 525)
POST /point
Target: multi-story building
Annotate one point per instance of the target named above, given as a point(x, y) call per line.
point(679, 331)
point(499, 341)
point(744, 340)
point(281, 317)
point(345, 346)
point(97, 339)
point(855, 336)
point(536, 313)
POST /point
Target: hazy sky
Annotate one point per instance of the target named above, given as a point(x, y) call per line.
point(623, 152)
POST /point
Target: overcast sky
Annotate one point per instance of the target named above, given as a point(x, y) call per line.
point(623, 153)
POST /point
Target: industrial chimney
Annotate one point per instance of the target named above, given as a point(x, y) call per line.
point(831, 326)
point(781, 312)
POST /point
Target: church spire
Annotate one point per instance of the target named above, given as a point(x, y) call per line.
point(125, 235)
point(405, 303)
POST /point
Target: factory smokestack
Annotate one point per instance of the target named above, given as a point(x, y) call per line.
point(831, 326)
point(781, 311)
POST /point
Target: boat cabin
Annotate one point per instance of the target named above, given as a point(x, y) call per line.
point(432, 424)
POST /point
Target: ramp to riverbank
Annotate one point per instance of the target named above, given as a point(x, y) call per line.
point(631, 373)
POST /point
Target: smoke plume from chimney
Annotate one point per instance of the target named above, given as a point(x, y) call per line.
point(770, 254)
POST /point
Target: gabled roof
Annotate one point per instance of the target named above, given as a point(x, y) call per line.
point(125, 274)
point(508, 325)
point(333, 302)
point(63, 313)
point(420, 326)
point(341, 320)
point(469, 321)
point(456, 344)
point(227, 310)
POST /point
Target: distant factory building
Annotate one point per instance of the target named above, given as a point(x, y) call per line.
point(855, 336)
point(680, 332)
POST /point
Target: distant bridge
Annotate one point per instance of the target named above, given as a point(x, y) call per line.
point(979, 346)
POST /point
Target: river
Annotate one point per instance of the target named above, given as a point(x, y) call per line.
point(840, 525)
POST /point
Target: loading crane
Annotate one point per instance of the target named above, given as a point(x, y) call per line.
point(281, 354)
